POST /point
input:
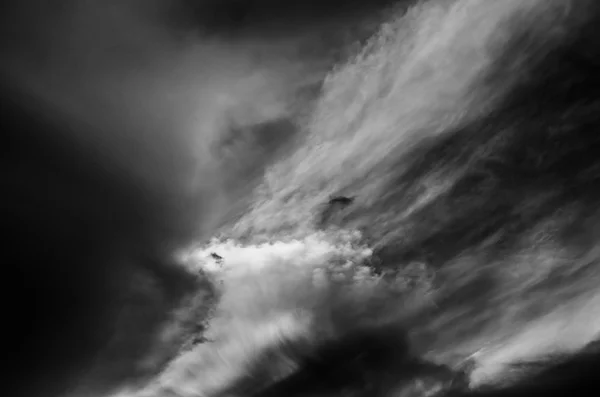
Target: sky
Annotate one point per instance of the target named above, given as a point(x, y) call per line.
point(142, 136)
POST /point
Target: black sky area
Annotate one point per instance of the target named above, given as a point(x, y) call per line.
point(79, 230)
point(263, 17)
point(76, 234)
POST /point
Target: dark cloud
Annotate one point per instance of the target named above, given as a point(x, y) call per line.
point(100, 182)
